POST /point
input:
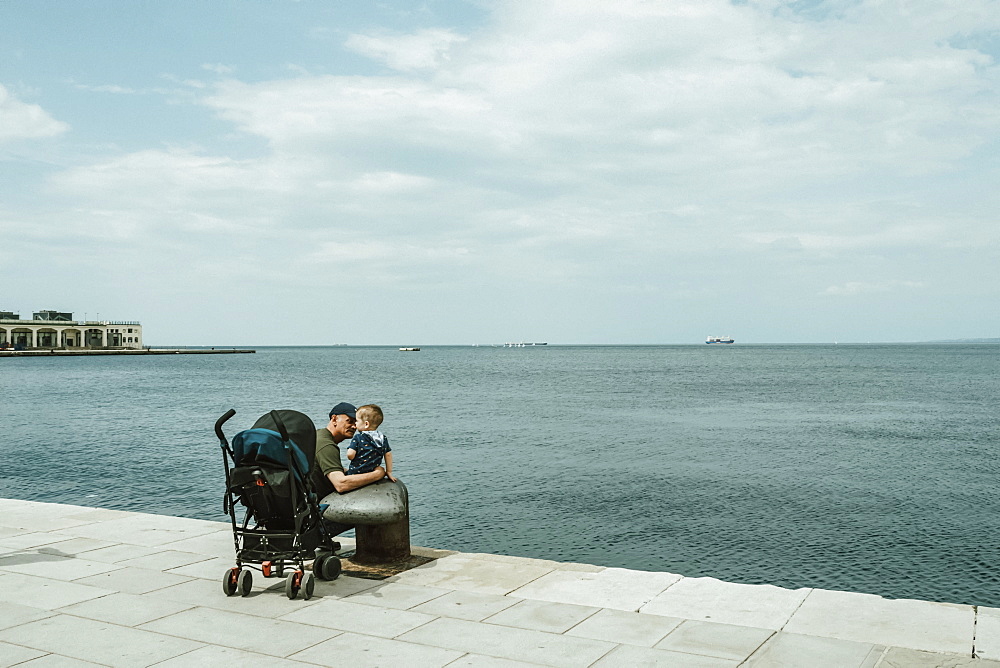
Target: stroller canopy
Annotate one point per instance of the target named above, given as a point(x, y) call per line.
point(262, 443)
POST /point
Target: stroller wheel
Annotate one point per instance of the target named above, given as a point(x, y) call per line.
point(308, 583)
point(229, 581)
point(292, 584)
point(245, 582)
point(318, 565)
point(329, 568)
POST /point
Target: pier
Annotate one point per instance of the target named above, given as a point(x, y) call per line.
point(77, 352)
point(85, 586)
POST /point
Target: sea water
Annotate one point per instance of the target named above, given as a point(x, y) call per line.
point(869, 468)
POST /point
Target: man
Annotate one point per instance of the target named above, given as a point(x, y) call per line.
point(328, 474)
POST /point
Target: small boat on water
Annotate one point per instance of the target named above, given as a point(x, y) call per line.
point(409, 350)
point(720, 339)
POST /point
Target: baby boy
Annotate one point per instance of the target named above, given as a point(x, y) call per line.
point(369, 445)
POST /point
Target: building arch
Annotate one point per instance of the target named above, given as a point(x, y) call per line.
point(93, 338)
point(46, 337)
point(22, 337)
point(71, 337)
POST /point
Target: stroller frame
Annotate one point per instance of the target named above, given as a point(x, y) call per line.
point(294, 536)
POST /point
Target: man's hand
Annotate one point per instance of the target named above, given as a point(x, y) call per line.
point(348, 483)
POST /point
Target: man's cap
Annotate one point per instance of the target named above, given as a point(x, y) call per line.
point(344, 408)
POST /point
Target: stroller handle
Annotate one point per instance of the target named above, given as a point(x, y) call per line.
point(293, 464)
point(222, 420)
point(280, 425)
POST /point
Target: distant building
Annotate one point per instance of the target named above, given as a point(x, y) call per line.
point(53, 329)
point(52, 315)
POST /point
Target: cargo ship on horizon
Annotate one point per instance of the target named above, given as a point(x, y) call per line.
point(720, 339)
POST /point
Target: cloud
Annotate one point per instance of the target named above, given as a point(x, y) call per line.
point(218, 68)
point(390, 182)
point(422, 50)
point(876, 236)
point(106, 88)
point(20, 120)
point(349, 109)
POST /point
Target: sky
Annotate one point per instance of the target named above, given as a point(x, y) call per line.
point(250, 172)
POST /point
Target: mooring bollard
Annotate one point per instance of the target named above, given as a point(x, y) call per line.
point(380, 513)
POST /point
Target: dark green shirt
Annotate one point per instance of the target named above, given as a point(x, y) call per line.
point(327, 460)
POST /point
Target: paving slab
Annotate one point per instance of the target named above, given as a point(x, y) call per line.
point(528, 561)
point(468, 574)
point(11, 531)
point(148, 530)
point(789, 649)
point(43, 593)
point(708, 599)
point(239, 631)
point(547, 649)
point(124, 609)
point(99, 642)
point(162, 560)
point(988, 632)
point(33, 539)
point(467, 605)
point(344, 587)
point(15, 614)
point(582, 568)
point(628, 628)
point(57, 661)
point(45, 508)
point(134, 580)
point(228, 657)
point(215, 543)
point(542, 616)
point(397, 595)
point(480, 661)
point(40, 517)
point(934, 627)
point(615, 588)
point(116, 552)
point(75, 547)
point(12, 655)
point(46, 565)
point(898, 657)
point(415, 550)
point(360, 651)
point(209, 569)
point(87, 514)
point(358, 618)
point(723, 641)
point(646, 657)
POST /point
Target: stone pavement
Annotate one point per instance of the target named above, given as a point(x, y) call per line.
point(84, 587)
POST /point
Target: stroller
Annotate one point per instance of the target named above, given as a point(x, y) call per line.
point(282, 523)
